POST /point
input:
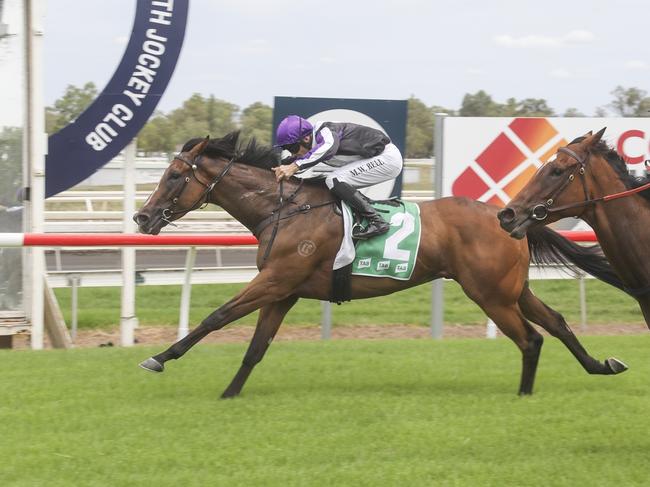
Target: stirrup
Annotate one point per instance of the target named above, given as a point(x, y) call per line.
point(365, 234)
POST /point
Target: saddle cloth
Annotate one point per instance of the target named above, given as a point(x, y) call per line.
point(390, 255)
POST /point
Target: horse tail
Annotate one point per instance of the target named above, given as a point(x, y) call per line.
point(549, 247)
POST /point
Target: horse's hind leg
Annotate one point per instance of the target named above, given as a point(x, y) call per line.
point(553, 322)
point(268, 323)
point(529, 341)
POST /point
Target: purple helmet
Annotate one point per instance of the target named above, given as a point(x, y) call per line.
point(291, 130)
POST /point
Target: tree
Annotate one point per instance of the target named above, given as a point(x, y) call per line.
point(572, 112)
point(157, 135)
point(256, 121)
point(199, 117)
point(630, 102)
point(11, 139)
point(419, 129)
point(67, 108)
point(479, 104)
point(533, 107)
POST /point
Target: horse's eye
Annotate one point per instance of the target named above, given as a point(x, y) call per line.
point(175, 175)
point(557, 171)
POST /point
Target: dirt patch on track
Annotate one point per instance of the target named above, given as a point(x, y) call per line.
point(165, 335)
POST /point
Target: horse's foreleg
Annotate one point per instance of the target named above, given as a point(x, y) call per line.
point(529, 341)
point(268, 323)
point(553, 322)
point(261, 291)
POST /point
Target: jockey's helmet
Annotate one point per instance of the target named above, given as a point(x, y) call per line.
point(291, 129)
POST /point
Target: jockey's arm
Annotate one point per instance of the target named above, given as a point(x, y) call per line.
point(325, 147)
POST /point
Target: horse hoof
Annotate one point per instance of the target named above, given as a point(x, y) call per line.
point(152, 365)
point(615, 365)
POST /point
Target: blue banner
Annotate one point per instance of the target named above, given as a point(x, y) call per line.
point(387, 115)
point(127, 101)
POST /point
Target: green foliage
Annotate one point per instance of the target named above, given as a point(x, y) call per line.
point(419, 131)
point(480, 104)
point(67, 108)
point(257, 121)
point(630, 102)
point(158, 305)
point(11, 165)
point(157, 135)
point(343, 413)
point(573, 112)
point(200, 116)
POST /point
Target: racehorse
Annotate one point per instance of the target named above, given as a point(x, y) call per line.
point(299, 231)
point(589, 180)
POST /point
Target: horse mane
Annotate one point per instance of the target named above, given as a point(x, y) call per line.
point(252, 154)
point(616, 161)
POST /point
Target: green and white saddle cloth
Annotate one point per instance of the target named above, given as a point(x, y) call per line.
point(392, 254)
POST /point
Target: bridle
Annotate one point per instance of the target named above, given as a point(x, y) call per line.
point(202, 200)
point(541, 211)
point(275, 217)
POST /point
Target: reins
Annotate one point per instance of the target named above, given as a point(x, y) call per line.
point(275, 217)
point(541, 211)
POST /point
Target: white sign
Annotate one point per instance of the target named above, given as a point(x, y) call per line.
point(491, 159)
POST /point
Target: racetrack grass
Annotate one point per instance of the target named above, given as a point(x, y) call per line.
point(341, 413)
point(159, 305)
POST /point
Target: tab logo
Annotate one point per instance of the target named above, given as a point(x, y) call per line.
point(383, 265)
point(402, 267)
point(363, 263)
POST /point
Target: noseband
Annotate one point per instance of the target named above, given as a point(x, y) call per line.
point(170, 211)
point(543, 210)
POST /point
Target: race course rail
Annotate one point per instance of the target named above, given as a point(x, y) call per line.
point(140, 240)
point(120, 240)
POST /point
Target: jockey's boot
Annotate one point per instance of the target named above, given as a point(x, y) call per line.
point(376, 224)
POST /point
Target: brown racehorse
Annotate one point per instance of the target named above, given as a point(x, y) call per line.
point(460, 240)
point(589, 180)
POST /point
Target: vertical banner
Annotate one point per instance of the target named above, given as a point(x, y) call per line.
point(389, 116)
point(127, 101)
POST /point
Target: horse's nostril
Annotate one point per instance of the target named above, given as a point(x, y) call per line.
point(140, 218)
point(506, 215)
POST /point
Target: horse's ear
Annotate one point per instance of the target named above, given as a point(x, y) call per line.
point(595, 138)
point(200, 147)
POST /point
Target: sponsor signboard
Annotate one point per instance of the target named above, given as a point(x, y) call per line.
point(491, 159)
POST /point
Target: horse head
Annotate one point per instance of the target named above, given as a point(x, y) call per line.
point(558, 189)
point(186, 184)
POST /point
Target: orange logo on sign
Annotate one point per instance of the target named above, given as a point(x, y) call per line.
point(509, 161)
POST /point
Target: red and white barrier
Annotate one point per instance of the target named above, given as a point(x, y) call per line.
point(140, 240)
point(119, 240)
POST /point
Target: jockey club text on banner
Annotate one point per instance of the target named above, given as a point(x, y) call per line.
point(491, 159)
point(127, 101)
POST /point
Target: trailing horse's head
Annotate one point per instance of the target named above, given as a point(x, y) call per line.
point(180, 190)
point(558, 189)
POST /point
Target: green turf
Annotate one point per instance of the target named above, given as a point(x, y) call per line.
point(340, 413)
point(159, 305)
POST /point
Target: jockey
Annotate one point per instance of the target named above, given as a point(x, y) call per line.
point(362, 156)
